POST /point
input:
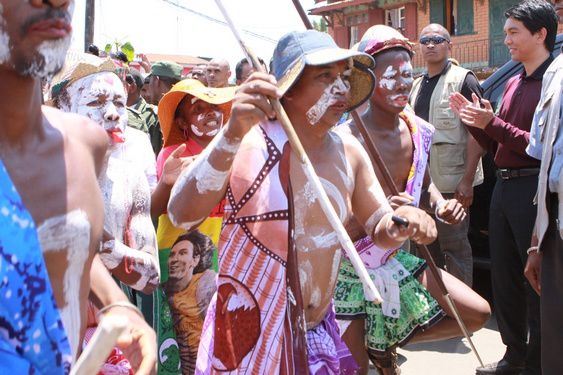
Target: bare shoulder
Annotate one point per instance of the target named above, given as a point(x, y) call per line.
point(355, 152)
point(80, 129)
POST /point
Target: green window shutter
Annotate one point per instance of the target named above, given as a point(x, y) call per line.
point(437, 12)
point(464, 21)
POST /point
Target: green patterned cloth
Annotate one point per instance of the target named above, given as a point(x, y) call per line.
point(419, 310)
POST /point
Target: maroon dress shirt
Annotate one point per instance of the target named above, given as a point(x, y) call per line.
point(507, 135)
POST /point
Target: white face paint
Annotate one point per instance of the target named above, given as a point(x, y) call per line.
point(207, 121)
point(50, 58)
point(331, 95)
point(69, 233)
point(387, 80)
point(4, 41)
point(100, 97)
point(406, 71)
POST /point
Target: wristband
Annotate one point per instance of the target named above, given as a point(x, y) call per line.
point(533, 249)
point(125, 304)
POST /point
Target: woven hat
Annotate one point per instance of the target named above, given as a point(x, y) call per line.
point(379, 38)
point(77, 66)
point(296, 50)
point(222, 97)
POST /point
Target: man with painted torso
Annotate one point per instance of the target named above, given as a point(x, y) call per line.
point(279, 256)
point(413, 308)
point(53, 160)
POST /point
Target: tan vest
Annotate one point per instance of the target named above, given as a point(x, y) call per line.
point(449, 144)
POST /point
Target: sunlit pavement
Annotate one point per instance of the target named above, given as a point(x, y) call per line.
point(451, 357)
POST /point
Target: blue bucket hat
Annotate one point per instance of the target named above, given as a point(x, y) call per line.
point(296, 50)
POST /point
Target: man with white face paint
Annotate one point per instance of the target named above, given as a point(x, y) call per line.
point(92, 89)
point(53, 160)
point(279, 256)
point(413, 307)
point(455, 157)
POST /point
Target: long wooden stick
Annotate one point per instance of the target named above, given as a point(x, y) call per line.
point(376, 158)
point(371, 291)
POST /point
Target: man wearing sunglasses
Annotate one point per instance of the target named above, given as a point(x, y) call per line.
point(455, 164)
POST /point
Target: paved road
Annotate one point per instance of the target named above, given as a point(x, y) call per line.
point(451, 357)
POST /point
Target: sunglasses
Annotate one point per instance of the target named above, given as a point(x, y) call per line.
point(425, 40)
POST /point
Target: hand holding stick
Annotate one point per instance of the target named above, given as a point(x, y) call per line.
point(100, 346)
point(371, 291)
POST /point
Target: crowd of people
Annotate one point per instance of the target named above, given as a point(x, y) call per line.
point(178, 202)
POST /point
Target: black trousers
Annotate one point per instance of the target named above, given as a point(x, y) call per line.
point(552, 295)
point(511, 221)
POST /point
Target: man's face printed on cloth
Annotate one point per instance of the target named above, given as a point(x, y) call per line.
point(100, 97)
point(34, 37)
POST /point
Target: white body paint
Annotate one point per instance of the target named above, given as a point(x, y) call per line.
point(126, 196)
point(52, 55)
point(407, 72)
point(4, 41)
point(69, 233)
point(388, 78)
point(125, 180)
point(328, 98)
point(87, 90)
point(207, 177)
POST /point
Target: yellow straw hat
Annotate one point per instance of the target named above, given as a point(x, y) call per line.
point(168, 105)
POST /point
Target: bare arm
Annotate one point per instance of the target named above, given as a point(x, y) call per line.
point(449, 211)
point(373, 211)
point(464, 190)
point(134, 260)
point(203, 184)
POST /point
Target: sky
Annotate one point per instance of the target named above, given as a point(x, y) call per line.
point(162, 26)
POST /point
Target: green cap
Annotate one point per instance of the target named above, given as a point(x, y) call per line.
point(167, 69)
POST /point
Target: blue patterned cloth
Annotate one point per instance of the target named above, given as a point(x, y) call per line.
point(32, 336)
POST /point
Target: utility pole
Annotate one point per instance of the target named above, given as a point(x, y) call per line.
point(89, 23)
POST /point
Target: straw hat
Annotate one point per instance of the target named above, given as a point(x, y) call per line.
point(167, 106)
point(379, 38)
point(296, 50)
point(77, 66)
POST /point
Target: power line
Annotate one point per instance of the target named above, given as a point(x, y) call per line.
point(218, 21)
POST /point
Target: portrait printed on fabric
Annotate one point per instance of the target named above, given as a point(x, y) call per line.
point(189, 289)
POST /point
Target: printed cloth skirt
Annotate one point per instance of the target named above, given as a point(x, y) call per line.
point(401, 315)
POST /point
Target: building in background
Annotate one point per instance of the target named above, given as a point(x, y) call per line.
point(476, 26)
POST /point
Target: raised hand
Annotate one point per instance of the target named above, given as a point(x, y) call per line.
point(175, 164)
point(472, 114)
point(250, 105)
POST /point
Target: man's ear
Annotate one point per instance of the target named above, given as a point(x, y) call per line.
point(542, 34)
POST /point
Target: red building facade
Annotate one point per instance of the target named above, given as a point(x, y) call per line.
point(476, 26)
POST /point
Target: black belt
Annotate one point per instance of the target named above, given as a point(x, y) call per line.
point(507, 174)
